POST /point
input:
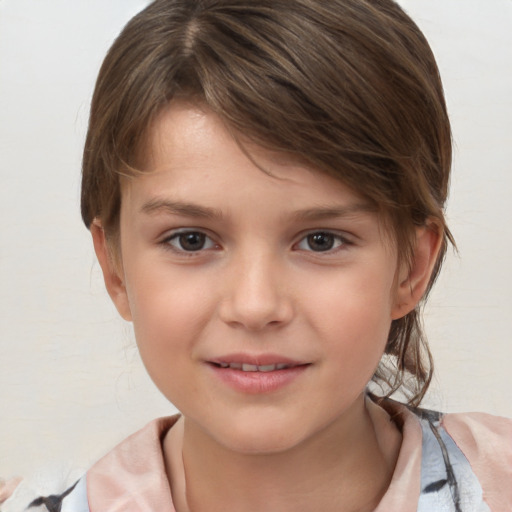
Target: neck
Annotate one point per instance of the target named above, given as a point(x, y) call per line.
point(347, 466)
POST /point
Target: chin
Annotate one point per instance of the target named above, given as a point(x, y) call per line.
point(270, 443)
point(264, 435)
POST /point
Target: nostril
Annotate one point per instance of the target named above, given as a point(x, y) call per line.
point(254, 300)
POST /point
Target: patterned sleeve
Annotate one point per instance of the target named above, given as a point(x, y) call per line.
point(25, 499)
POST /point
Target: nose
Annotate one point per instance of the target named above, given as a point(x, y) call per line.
point(256, 296)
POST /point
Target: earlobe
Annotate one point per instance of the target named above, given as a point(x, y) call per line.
point(112, 275)
point(413, 281)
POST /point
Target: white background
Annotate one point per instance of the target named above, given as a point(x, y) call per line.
point(71, 383)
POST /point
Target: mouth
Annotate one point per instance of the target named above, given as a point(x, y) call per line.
point(257, 374)
point(248, 367)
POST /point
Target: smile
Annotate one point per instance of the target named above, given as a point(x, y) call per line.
point(262, 374)
point(246, 367)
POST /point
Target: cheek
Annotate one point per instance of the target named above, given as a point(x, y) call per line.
point(354, 315)
point(168, 315)
point(167, 326)
point(350, 298)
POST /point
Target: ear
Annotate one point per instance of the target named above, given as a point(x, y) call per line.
point(112, 273)
point(413, 281)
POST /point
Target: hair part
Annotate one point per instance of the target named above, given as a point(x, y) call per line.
point(349, 87)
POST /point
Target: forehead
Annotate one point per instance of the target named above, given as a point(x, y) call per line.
point(185, 125)
point(190, 149)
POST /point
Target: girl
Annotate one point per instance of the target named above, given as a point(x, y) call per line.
point(265, 183)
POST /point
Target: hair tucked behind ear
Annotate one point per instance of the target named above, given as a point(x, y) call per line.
point(350, 87)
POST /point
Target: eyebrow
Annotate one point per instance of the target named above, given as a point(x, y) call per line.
point(334, 212)
point(156, 206)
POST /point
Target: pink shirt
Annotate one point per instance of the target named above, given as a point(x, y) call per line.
point(452, 462)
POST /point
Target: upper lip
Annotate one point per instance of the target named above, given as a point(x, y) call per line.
point(256, 360)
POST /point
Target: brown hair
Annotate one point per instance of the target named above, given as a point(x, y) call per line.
point(350, 87)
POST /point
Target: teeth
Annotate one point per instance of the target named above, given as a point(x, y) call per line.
point(246, 367)
point(267, 368)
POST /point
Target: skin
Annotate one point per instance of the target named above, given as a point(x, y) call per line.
point(287, 264)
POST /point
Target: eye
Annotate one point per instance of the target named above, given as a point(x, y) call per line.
point(320, 241)
point(190, 241)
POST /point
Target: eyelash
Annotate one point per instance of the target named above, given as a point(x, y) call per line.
point(337, 242)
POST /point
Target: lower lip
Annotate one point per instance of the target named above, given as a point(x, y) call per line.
point(258, 382)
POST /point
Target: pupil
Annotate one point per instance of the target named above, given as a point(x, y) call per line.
point(192, 241)
point(321, 242)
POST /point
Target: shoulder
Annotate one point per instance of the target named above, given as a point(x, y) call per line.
point(133, 474)
point(113, 479)
point(468, 457)
point(481, 435)
point(463, 461)
point(486, 442)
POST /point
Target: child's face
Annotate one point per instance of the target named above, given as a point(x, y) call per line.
point(223, 264)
